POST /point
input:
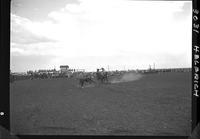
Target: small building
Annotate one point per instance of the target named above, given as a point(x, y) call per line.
point(64, 68)
point(65, 71)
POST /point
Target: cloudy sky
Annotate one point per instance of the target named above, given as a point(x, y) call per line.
point(89, 34)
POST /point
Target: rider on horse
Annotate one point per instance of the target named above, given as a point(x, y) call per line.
point(102, 75)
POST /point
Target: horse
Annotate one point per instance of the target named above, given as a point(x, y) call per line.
point(85, 80)
point(102, 76)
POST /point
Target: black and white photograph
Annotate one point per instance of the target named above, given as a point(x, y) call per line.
point(101, 67)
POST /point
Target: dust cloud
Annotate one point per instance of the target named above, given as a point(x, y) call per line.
point(127, 77)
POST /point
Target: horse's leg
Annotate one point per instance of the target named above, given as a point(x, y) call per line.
point(91, 81)
point(106, 79)
point(81, 83)
point(102, 80)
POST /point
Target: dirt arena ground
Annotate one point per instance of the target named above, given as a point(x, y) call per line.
point(152, 104)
